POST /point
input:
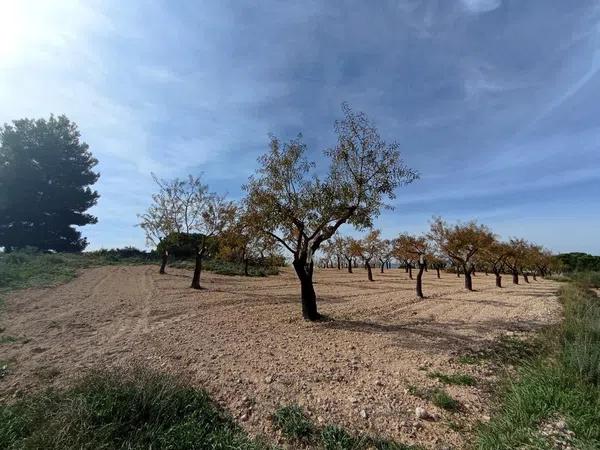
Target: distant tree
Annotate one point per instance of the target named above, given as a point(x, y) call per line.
point(436, 261)
point(243, 243)
point(386, 253)
point(187, 207)
point(350, 249)
point(517, 258)
point(338, 247)
point(368, 248)
point(460, 243)
point(403, 252)
point(415, 248)
point(494, 257)
point(302, 211)
point(542, 259)
point(45, 178)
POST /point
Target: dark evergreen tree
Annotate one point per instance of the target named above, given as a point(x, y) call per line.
point(45, 178)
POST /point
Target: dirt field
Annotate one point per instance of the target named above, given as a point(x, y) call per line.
point(243, 339)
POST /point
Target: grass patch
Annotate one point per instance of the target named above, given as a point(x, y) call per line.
point(460, 379)
point(563, 381)
point(438, 397)
point(298, 428)
point(505, 350)
point(442, 399)
point(7, 339)
point(293, 423)
point(135, 409)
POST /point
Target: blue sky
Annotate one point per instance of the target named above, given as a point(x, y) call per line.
point(494, 102)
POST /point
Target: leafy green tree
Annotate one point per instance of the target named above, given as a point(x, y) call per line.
point(45, 178)
point(302, 211)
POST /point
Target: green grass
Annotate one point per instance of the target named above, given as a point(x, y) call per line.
point(293, 423)
point(135, 409)
point(563, 381)
point(506, 350)
point(438, 397)
point(442, 399)
point(460, 379)
point(7, 339)
point(297, 427)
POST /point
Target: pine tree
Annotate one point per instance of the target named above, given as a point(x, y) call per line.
point(45, 178)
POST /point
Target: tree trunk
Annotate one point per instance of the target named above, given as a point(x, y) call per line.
point(534, 277)
point(197, 269)
point(355, 264)
point(246, 266)
point(307, 291)
point(405, 266)
point(338, 263)
point(349, 265)
point(468, 280)
point(420, 280)
point(410, 271)
point(382, 265)
point(437, 269)
point(515, 275)
point(369, 272)
point(525, 277)
point(163, 263)
point(498, 278)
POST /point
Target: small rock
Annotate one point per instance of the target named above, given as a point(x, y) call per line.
point(561, 425)
point(352, 400)
point(378, 383)
point(244, 417)
point(269, 379)
point(421, 413)
point(320, 419)
point(363, 414)
point(485, 418)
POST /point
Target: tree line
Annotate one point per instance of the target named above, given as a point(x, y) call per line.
point(462, 248)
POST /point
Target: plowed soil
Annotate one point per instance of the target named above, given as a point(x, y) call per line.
point(243, 340)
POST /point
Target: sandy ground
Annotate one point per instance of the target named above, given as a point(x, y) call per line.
point(244, 341)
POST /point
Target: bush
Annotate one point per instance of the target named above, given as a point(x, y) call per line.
point(134, 409)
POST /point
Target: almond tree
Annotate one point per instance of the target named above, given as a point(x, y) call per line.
point(460, 243)
point(517, 258)
point(302, 210)
point(186, 207)
point(386, 253)
point(369, 248)
point(402, 252)
point(350, 250)
point(416, 248)
point(494, 257)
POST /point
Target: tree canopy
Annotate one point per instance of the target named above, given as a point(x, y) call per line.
point(45, 176)
point(302, 210)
